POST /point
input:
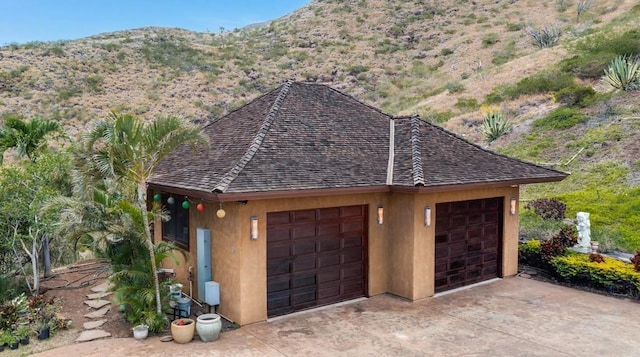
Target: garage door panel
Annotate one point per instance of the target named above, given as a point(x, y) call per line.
point(304, 280)
point(279, 266)
point(328, 213)
point(304, 263)
point(329, 229)
point(467, 247)
point(321, 252)
point(278, 218)
point(329, 275)
point(279, 234)
point(352, 226)
point(303, 231)
point(328, 261)
point(279, 284)
point(303, 216)
point(304, 247)
point(352, 211)
point(328, 244)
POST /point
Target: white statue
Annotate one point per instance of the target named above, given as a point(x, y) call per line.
point(584, 230)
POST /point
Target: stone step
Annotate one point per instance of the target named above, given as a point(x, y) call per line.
point(97, 304)
point(101, 288)
point(91, 335)
point(98, 313)
point(93, 324)
point(97, 296)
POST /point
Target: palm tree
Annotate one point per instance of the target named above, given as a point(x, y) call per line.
point(124, 149)
point(26, 137)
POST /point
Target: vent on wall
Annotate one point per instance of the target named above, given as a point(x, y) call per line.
point(203, 254)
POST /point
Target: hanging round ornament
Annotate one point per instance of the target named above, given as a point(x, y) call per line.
point(185, 204)
point(200, 207)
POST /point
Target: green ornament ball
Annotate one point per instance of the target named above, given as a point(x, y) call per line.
point(185, 205)
point(157, 197)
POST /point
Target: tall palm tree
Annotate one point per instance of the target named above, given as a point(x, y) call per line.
point(124, 149)
point(26, 137)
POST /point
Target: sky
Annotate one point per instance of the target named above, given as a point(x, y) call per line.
point(24, 21)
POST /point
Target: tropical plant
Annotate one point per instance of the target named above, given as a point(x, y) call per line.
point(124, 149)
point(548, 208)
point(623, 73)
point(27, 137)
point(494, 125)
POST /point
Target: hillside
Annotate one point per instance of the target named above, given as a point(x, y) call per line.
point(439, 59)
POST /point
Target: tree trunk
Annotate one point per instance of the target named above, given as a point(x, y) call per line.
point(46, 256)
point(34, 262)
point(147, 230)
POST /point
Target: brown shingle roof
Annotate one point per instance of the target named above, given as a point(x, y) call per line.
point(304, 136)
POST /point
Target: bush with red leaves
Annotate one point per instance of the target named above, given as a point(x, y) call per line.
point(596, 258)
point(635, 260)
point(548, 208)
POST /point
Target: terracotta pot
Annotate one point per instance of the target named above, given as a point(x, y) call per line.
point(208, 327)
point(183, 333)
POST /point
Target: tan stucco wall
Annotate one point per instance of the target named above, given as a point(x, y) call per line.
point(400, 255)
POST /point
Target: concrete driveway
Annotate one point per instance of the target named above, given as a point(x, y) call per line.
point(510, 317)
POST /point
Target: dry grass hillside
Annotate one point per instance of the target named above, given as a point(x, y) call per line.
point(439, 59)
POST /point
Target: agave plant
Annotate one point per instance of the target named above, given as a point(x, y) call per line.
point(494, 125)
point(623, 73)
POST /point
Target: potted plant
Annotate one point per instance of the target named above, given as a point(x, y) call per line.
point(10, 340)
point(22, 334)
point(5, 339)
point(140, 332)
point(183, 330)
point(44, 331)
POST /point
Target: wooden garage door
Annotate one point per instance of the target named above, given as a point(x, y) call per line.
point(468, 242)
point(315, 257)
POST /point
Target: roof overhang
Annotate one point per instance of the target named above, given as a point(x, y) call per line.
point(268, 195)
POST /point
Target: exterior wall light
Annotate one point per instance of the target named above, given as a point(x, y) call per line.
point(427, 216)
point(380, 215)
point(254, 227)
point(513, 203)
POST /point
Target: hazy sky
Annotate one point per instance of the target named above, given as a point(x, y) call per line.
point(51, 20)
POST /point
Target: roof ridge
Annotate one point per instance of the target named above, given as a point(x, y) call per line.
point(392, 152)
point(256, 143)
point(416, 157)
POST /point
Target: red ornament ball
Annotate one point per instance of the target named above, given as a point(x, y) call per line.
point(200, 207)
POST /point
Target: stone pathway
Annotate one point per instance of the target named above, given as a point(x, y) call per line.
point(100, 306)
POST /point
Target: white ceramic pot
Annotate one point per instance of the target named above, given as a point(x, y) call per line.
point(208, 327)
point(140, 332)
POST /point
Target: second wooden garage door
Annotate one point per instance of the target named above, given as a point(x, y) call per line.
point(468, 242)
point(315, 257)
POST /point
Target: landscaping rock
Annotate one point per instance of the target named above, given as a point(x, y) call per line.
point(96, 304)
point(98, 295)
point(98, 313)
point(91, 335)
point(101, 288)
point(93, 324)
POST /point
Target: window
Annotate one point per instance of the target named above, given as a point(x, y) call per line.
point(176, 229)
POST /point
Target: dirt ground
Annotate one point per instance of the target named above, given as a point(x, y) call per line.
point(71, 285)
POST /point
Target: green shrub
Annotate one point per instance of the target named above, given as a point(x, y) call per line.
point(494, 125)
point(530, 253)
point(543, 82)
point(595, 52)
point(467, 104)
point(580, 96)
point(490, 39)
point(533, 226)
point(559, 119)
point(454, 87)
point(623, 73)
point(439, 117)
point(612, 275)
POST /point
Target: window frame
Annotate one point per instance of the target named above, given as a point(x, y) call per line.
point(176, 222)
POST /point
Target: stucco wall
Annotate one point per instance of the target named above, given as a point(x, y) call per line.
point(400, 255)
